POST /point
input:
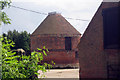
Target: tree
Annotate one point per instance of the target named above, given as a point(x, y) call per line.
point(21, 39)
point(24, 39)
point(3, 16)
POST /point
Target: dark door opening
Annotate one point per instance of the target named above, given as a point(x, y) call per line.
point(111, 26)
point(68, 45)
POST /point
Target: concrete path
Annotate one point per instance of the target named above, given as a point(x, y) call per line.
point(61, 73)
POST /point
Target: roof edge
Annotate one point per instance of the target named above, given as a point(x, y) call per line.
point(58, 35)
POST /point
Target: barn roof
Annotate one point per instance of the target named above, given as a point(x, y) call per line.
point(55, 24)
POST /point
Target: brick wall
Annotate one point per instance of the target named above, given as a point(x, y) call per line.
point(92, 56)
point(56, 46)
point(52, 42)
point(48, 42)
point(66, 58)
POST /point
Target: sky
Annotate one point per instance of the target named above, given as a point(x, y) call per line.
point(22, 20)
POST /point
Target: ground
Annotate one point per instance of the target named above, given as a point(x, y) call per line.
point(61, 73)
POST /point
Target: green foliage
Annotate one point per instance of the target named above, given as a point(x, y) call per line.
point(0, 58)
point(22, 39)
point(21, 66)
point(4, 3)
point(3, 16)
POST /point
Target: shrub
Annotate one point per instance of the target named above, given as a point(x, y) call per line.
point(21, 66)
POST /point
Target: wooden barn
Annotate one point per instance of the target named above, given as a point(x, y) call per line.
point(99, 47)
point(60, 38)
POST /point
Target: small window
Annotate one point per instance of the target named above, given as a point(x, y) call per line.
point(68, 43)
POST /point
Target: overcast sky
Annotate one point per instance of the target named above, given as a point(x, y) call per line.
point(29, 21)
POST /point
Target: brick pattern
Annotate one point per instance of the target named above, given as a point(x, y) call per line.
point(57, 52)
point(92, 56)
point(61, 57)
point(49, 42)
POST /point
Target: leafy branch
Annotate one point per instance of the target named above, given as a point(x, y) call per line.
point(3, 16)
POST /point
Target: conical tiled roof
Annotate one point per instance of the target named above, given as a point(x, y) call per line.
point(55, 24)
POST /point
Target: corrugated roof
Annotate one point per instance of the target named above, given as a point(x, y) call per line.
point(55, 24)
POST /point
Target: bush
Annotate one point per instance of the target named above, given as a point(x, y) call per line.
point(21, 66)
